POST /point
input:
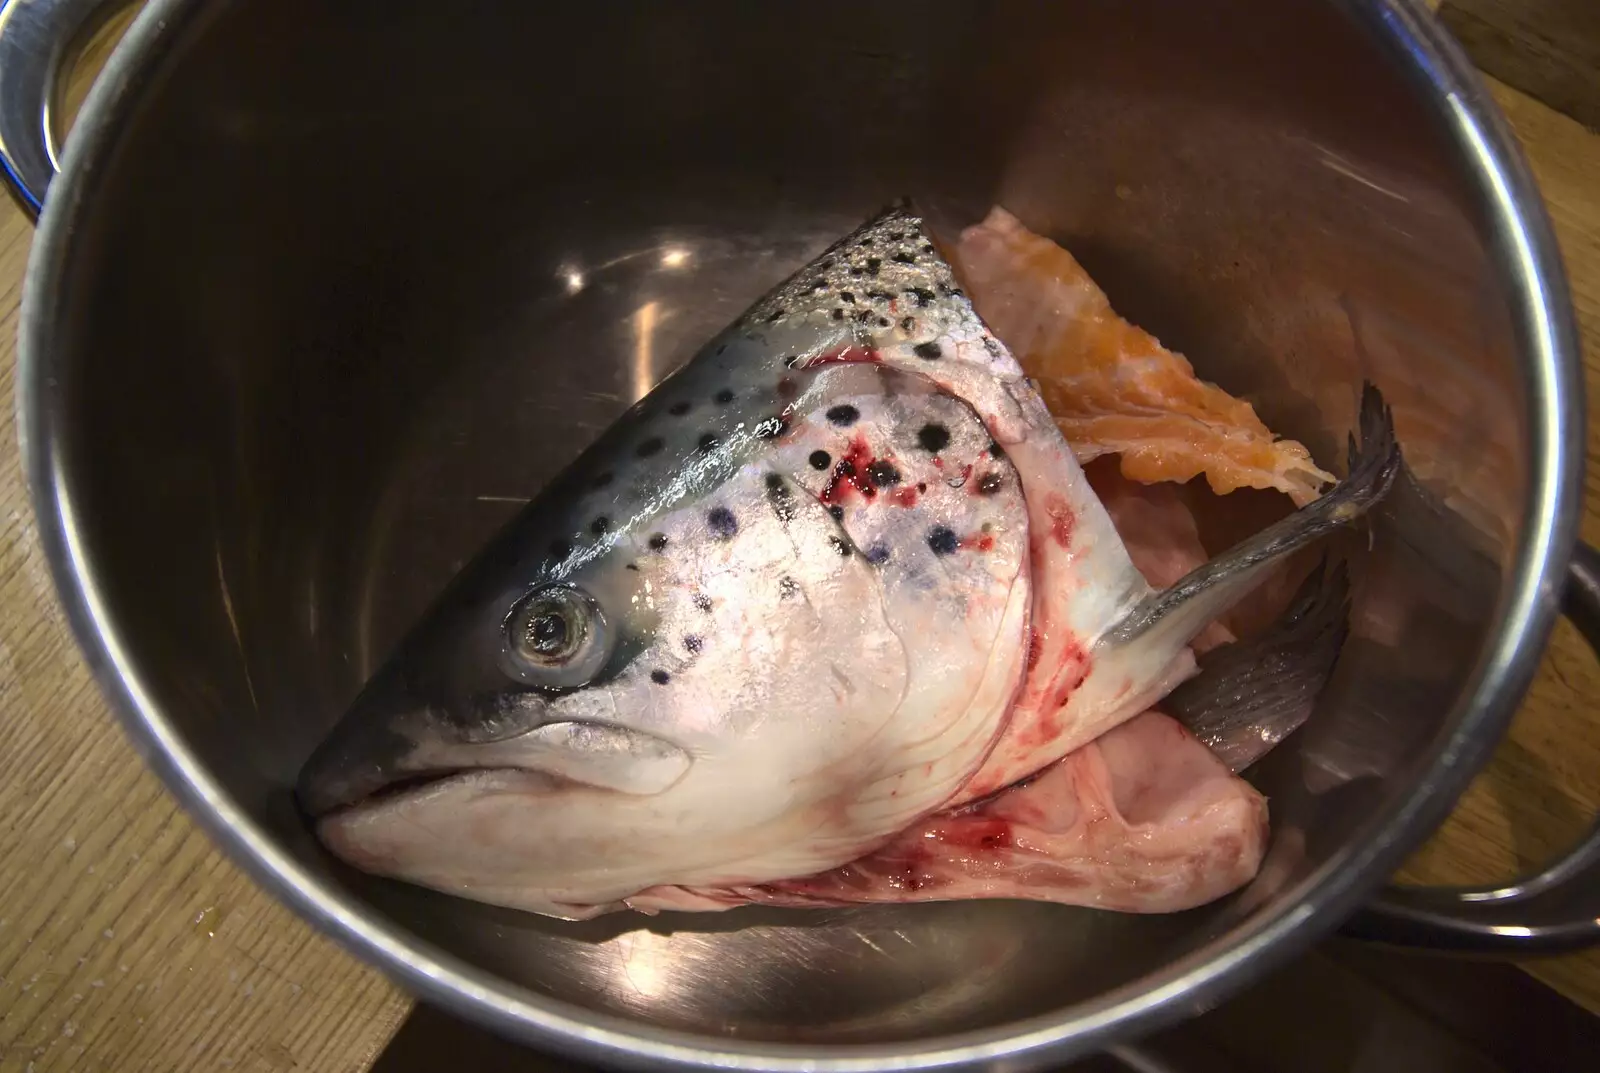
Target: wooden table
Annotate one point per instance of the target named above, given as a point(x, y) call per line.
point(127, 942)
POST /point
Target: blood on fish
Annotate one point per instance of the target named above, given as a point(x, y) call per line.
point(978, 542)
point(1074, 668)
point(914, 873)
point(1062, 520)
point(905, 496)
point(977, 833)
point(1035, 648)
point(850, 472)
point(1041, 732)
point(849, 354)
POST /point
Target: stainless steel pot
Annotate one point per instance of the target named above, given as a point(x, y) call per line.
point(323, 290)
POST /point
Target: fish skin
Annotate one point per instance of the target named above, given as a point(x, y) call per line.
point(816, 737)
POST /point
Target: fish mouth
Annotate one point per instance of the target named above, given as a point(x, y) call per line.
point(327, 787)
point(391, 743)
point(409, 788)
point(393, 746)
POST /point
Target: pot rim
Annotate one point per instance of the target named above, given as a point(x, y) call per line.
point(1525, 252)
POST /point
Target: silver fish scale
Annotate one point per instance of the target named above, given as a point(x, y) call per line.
point(885, 283)
point(883, 286)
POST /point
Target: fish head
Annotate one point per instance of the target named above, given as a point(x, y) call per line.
point(700, 656)
point(641, 648)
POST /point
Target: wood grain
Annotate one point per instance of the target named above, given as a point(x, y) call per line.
point(1548, 49)
point(128, 942)
point(1541, 790)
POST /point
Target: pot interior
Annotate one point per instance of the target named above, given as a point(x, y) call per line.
point(358, 279)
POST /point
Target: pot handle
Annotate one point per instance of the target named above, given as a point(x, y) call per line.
point(35, 37)
point(1554, 911)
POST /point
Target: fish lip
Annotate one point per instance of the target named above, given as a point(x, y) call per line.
point(412, 785)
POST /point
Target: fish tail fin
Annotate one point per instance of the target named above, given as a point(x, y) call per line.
point(1250, 695)
point(1173, 616)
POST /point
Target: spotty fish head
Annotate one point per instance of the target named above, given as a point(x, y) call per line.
point(695, 656)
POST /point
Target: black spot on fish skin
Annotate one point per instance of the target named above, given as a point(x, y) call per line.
point(927, 247)
point(989, 484)
point(879, 296)
point(791, 361)
point(995, 450)
point(679, 408)
point(788, 588)
point(777, 315)
point(837, 512)
point(933, 437)
point(838, 313)
point(882, 473)
point(878, 554)
point(660, 677)
point(708, 441)
point(723, 397)
point(943, 540)
point(634, 567)
point(658, 541)
point(603, 479)
point(702, 601)
point(922, 295)
point(692, 644)
point(844, 415)
point(848, 296)
point(928, 351)
point(560, 549)
point(874, 265)
point(600, 526)
point(820, 460)
point(908, 324)
point(884, 322)
point(782, 499)
point(649, 447)
point(905, 258)
point(840, 545)
point(722, 523)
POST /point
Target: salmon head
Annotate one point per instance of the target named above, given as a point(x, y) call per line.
point(778, 611)
point(836, 574)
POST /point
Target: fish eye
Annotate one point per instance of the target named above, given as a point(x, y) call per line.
point(557, 637)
